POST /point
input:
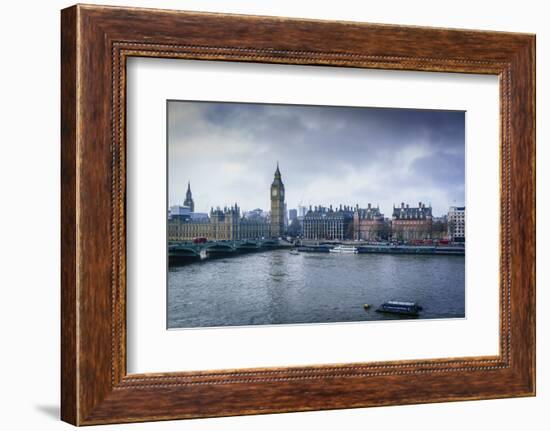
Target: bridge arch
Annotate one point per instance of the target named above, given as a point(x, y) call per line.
point(218, 245)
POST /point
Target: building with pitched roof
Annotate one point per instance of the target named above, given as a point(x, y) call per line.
point(411, 223)
point(368, 223)
point(328, 223)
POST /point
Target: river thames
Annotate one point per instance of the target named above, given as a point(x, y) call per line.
point(276, 287)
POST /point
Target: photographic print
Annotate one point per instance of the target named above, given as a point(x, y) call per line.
point(295, 214)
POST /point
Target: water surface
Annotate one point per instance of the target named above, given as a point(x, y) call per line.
point(276, 287)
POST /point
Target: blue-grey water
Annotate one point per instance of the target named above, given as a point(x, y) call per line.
point(276, 287)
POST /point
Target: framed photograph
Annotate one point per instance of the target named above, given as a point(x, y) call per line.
point(263, 214)
point(276, 258)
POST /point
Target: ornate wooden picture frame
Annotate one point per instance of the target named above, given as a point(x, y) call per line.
point(96, 41)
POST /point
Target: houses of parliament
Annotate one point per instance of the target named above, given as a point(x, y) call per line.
point(318, 223)
point(227, 223)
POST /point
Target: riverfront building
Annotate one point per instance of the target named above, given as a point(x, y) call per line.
point(228, 223)
point(328, 223)
point(368, 223)
point(344, 222)
point(411, 223)
point(456, 223)
point(221, 224)
point(318, 223)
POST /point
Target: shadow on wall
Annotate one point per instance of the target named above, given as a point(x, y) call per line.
point(53, 412)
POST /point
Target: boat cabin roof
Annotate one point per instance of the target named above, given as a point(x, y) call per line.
point(404, 303)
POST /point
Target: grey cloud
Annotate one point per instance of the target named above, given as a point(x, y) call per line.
point(327, 154)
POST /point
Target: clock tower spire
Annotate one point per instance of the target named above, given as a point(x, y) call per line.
point(277, 205)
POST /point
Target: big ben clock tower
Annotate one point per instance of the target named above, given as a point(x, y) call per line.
point(277, 205)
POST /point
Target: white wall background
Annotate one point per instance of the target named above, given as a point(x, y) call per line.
point(29, 238)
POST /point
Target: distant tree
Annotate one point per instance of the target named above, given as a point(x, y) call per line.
point(384, 231)
point(451, 226)
point(439, 229)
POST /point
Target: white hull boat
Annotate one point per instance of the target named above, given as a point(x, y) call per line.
point(344, 249)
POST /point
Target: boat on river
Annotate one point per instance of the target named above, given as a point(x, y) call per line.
point(400, 307)
point(344, 249)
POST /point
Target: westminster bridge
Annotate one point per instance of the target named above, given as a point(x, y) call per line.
point(189, 251)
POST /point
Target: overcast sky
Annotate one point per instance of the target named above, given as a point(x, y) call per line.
point(327, 155)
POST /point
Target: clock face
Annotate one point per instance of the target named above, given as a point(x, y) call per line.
point(273, 192)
